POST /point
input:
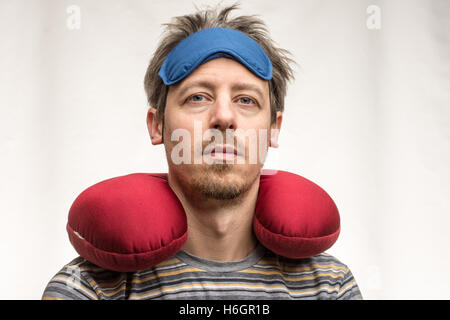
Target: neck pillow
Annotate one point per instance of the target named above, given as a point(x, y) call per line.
point(136, 221)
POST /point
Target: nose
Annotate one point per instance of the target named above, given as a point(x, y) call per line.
point(223, 114)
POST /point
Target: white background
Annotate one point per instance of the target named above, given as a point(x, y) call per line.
point(368, 119)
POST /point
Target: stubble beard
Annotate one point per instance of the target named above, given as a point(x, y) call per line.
point(223, 181)
point(218, 182)
point(212, 183)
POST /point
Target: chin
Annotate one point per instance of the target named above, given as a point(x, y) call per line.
point(224, 181)
point(218, 181)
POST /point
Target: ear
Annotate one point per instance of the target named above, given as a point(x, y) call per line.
point(275, 130)
point(154, 127)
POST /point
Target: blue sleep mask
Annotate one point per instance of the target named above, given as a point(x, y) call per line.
point(211, 43)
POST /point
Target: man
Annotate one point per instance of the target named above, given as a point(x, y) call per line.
point(217, 181)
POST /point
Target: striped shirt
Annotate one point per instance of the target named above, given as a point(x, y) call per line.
point(261, 275)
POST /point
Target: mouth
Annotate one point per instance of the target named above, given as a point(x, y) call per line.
point(226, 152)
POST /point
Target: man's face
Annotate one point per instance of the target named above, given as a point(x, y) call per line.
point(218, 98)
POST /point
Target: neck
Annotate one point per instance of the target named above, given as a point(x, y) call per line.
point(220, 230)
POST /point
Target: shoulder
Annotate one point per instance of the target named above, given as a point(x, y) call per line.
point(320, 261)
point(323, 261)
point(72, 282)
point(323, 274)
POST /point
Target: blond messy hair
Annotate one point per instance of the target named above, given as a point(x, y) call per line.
point(183, 26)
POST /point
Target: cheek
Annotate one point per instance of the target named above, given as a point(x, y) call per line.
point(256, 142)
point(181, 136)
point(177, 118)
point(175, 125)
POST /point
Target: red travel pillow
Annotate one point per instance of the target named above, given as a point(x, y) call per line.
point(135, 221)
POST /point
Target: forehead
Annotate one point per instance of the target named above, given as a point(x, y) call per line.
point(222, 72)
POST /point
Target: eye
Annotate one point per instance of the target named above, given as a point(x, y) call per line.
point(195, 97)
point(247, 100)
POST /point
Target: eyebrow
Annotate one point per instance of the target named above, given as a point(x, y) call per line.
point(210, 85)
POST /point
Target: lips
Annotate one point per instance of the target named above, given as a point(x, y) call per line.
point(226, 149)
